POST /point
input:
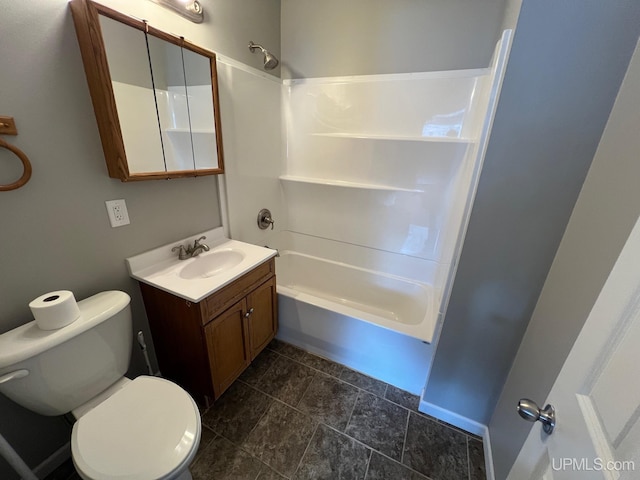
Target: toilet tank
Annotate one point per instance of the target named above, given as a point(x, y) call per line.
point(59, 370)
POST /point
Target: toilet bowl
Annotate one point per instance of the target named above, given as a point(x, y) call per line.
point(142, 429)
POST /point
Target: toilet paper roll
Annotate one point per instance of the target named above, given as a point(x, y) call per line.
point(55, 310)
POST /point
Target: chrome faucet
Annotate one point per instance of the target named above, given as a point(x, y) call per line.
point(187, 252)
point(198, 247)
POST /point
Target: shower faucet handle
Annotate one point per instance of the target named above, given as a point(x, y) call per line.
point(265, 219)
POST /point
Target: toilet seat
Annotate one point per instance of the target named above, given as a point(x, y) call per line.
point(150, 429)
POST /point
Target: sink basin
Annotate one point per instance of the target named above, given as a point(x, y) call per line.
point(197, 278)
point(211, 264)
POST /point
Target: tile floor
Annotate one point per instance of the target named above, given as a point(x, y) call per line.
point(293, 415)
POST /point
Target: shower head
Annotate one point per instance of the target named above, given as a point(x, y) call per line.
point(270, 60)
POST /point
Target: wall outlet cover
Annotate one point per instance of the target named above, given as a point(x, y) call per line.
point(117, 210)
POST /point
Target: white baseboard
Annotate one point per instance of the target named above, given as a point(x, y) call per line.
point(488, 455)
point(56, 459)
point(453, 418)
point(465, 424)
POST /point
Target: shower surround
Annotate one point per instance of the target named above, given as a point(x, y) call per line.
point(371, 195)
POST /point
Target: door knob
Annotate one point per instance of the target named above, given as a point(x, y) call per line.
point(529, 410)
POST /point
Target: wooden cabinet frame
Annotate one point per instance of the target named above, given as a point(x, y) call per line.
point(86, 19)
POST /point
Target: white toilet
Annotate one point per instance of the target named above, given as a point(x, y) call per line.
point(147, 428)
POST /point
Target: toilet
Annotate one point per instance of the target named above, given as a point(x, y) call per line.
point(147, 428)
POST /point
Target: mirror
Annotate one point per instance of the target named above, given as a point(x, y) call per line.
point(155, 96)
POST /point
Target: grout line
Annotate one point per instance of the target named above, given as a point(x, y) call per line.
point(364, 389)
point(316, 371)
point(261, 469)
point(342, 367)
point(397, 404)
point(271, 468)
point(338, 377)
point(250, 453)
point(404, 442)
point(343, 381)
point(317, 426)
point(215, 434)
point(256, 425)
point(266, 465)
point(468, 460)
point(245, 450)
point(383, 395)
point(360, 442)
point(307, 448)
point(268, 368)
point(421, 475)
point(366, 472)
point(352, 410)
point(454, 428)
point(276, 399)
point(361, 390)
point(309, 366)
point(306, 390)
point(352, 438)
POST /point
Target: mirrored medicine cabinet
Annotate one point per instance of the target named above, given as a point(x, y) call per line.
point(155, 96)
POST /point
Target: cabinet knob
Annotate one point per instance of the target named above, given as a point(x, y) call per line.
point(248, 314)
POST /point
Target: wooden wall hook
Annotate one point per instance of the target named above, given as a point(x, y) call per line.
point(8, 127)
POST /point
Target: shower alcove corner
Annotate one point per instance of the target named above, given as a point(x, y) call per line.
point(376, 186)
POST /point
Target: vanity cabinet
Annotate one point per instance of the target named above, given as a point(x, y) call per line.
point(205, 346)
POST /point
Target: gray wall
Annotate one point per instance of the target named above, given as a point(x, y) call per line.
point(511, 13)
point(233, 23)
point(362, 37)
point(54, 231)
point(604, 215)
point(567, 62)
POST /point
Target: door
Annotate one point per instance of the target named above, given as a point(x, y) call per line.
point(228, 347)
point(597, 393)
point(262, 316)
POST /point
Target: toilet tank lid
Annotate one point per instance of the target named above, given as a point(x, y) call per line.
point(28, 340)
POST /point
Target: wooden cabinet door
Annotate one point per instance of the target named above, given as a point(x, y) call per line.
point(263, 318)
point(228, 346)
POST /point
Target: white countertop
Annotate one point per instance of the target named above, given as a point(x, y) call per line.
point(161, 267)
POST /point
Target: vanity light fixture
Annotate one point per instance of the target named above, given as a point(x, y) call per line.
point(190, 9)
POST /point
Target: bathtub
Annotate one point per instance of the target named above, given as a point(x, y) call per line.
point(375, 323)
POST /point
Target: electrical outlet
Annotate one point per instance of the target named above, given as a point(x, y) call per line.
point(117, 210)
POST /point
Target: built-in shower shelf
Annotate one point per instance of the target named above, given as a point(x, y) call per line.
point(341, 183)
point(402, 138)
